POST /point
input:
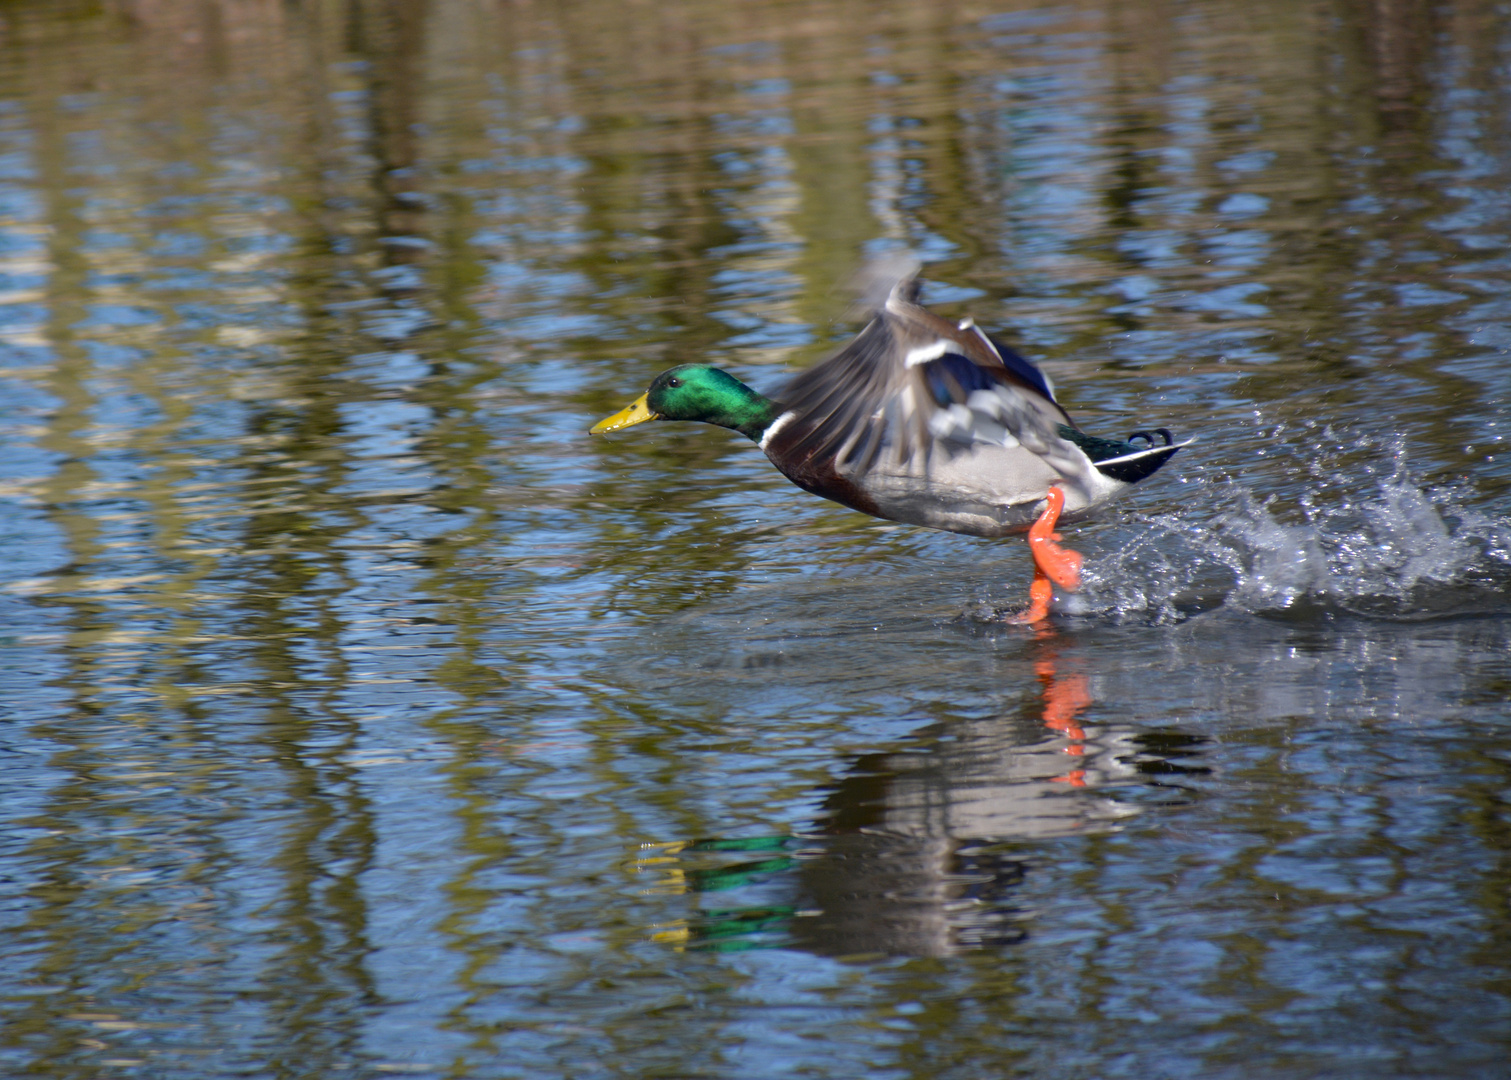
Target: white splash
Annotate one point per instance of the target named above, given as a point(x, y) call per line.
point(1401, 551)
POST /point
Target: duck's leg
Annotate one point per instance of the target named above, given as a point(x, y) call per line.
point(1040, 593)
point(1060, 564)
point(1052, 563)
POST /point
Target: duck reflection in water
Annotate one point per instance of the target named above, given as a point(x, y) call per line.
point(919, 850)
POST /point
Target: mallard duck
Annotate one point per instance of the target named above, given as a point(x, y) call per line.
point(927, 422)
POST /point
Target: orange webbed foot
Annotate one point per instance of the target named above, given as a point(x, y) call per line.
point(1059, 564)
point(1039, 595)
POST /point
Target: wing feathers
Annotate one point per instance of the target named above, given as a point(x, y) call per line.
point(911, 383)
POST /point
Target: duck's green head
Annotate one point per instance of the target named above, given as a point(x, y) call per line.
point(697, 392)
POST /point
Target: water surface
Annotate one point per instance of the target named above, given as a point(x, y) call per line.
point(365, 716)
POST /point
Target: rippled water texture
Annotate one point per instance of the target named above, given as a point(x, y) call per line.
point(365, 716)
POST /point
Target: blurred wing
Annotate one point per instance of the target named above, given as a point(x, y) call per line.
point(912, 384)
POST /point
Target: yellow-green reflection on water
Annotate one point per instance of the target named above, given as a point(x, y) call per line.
point(354, 693)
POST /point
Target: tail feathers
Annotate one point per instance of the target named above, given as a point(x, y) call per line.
point(1127, 462)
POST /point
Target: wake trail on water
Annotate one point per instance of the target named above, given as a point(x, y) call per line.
point(1368, 542)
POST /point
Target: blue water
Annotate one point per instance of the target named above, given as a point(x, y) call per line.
point(365, 716)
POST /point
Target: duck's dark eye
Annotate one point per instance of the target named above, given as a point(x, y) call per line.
point(674, 383)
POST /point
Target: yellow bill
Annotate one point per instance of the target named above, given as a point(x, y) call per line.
point(637, 413)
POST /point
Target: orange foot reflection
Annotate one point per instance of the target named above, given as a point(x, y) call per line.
point(1064, 697)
